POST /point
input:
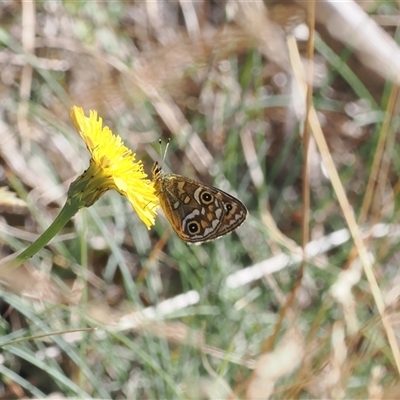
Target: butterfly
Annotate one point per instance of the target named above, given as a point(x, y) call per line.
point(197, 212)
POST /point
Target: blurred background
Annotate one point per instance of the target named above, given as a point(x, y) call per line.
point(246, 316)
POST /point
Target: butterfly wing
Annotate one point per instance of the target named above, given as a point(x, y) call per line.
point(197, 212)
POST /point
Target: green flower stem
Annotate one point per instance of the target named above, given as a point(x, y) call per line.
point(83, 192)
point(70, 208)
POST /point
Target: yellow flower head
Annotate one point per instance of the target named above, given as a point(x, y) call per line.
point(112, 166)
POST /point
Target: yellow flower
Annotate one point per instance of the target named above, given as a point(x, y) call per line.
point(112, 166)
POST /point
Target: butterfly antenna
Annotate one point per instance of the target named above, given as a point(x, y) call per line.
point(165, 150)
point(160, 146)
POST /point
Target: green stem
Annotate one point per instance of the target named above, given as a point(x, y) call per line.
point(70, 208)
